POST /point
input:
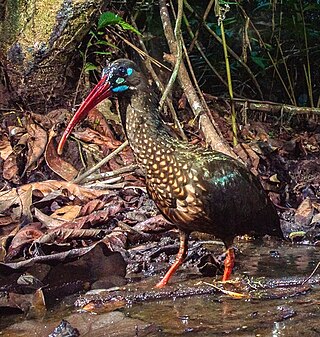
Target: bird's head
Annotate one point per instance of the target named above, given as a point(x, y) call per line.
point(118, 77)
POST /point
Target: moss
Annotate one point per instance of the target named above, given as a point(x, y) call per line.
point(11, 20)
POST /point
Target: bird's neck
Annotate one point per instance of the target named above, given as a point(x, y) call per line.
point(144, 128)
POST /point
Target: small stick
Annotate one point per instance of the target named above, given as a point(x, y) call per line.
point(121, 171)
point(100, 164)
point(309, 277)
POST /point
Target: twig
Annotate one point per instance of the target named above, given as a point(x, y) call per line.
point(221, 16)
point(178, 60)
point(313, 272)
point(272, 107)
point(230, 51)
point(141, 52)
point(100, 164)
point(205, 15)
point(160, 86)
point(274, 64)
point(111, 174)
point(203, 55)
point(211, 132)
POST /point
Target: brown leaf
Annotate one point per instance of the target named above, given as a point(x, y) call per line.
point(95, 218)
point(25, 202)
point(10, 168)
point(155, 224)
point(25, 236)
point(43, 188)
point(304, 213)
point(21, 199)
point(68, 213)
point(37, 141)
point(245, 152)
point(116, 240)
point(10, 267)
point(59, 166)
point(38, 308)
point(46, 220)
point(5, 220)
point(91, 206)
point(5, 148)
point(62, 235)
point(91, 136)
point(51, 119)
point(9, 198)
point(127, 156)
point(18, 302)
point(97, 119)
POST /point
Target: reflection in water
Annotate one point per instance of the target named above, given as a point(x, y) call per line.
point(277, 329)
point(221, 316)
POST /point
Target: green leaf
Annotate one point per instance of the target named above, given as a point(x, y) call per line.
point(108, 18)
point(259, 61)
point(108, 44)
point(102, 52)
point(127, 26)
point(89, 67)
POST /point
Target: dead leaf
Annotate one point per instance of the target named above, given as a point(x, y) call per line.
point(59, 166)
point(5, 220)
point(47, 220)
point(51, 119)
point(37, 141)
point(11, 267)
point(5, 148)
point(9, 199)
point(10, 168)
point(91, 206)
point(68, 213)
point(25, 202)
point(20, 201)
point(95, 218)
point(91, 136)
point(62, 235)
point(116, 240)
point(245, 152)
point(274, 178)
point(38, 307)
point(25, 236)
point(97, 119)
point(304, 213)
point(44, 188)
point(18, 302)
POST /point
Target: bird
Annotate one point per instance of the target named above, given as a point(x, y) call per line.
point(195, 188)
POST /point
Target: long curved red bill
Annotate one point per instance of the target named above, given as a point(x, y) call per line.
point(100, 92)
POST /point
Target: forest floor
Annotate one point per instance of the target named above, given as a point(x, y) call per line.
point(61, 236)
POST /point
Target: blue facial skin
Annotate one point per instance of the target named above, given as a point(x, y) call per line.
point(120, 89)
point(120, 80)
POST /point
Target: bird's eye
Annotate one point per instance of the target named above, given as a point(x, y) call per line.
point(122, 71)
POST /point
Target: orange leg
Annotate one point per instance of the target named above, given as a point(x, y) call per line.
point(228, 264)
point(179, 259)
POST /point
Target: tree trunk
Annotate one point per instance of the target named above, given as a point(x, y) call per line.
point(38, 40)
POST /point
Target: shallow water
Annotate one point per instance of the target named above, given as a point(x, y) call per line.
point(220, 315)
point(207, 315)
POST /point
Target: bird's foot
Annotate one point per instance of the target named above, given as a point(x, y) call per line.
point(234, 281)
point(161, 284)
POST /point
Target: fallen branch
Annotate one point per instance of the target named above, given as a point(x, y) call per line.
point(267, 106)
